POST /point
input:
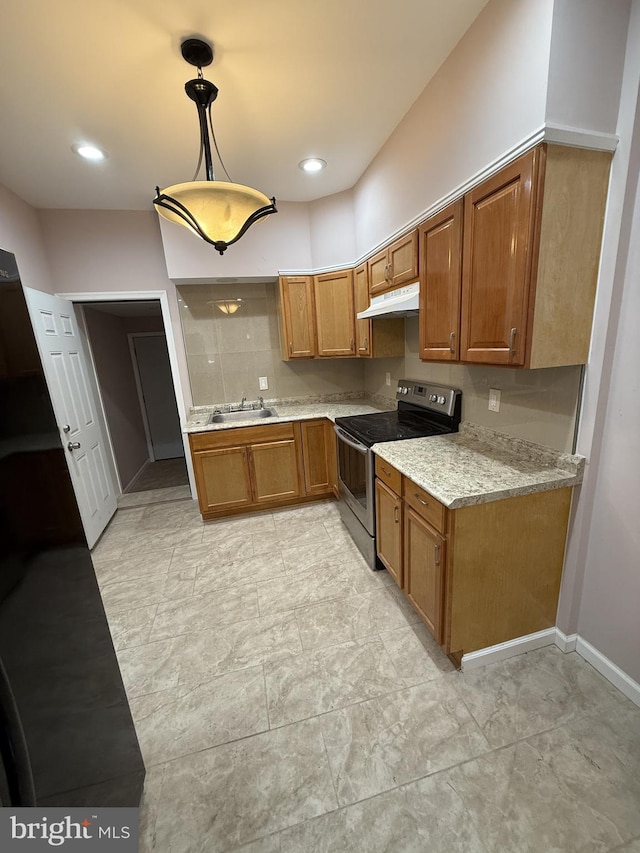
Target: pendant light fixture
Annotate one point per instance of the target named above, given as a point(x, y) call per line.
point(216, 211)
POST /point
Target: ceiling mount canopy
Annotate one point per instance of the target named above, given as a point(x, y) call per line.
point(217, 211)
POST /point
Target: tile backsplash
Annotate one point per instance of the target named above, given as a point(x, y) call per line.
point(226, 353)
point(537, 405)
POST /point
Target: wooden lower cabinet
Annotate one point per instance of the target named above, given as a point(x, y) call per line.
point(275, 472)
point(319, 456)
point(424, 569)
point(389, 531)
point(477, 575)
point(222, 479)
point(247, 468)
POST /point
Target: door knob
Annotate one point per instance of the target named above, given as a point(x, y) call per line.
point(74, 445)
point(66, 428)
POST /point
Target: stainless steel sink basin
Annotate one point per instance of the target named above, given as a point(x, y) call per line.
point(246, 415)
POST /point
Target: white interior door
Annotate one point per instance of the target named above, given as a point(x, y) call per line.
point(159, 399)
point(65, 369)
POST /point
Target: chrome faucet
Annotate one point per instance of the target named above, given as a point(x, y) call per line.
point(261, 401)
point(244, 400)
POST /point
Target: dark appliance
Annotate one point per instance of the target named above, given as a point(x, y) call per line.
point(66, 734)
point(424, 409)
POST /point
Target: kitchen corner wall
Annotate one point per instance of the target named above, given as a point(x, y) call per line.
point(226, 353)
point(537, 405)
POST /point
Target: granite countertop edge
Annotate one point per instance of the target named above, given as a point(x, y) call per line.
point(479, 465)
point(287, 411)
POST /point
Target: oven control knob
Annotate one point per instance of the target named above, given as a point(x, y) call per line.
point(441, 400)
point(405, 390)
point(433, 398)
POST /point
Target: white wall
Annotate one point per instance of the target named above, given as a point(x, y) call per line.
point(586, 63)
point(332, 231)
point(109, 250)
point(600, 595)
point(488, 95)
point(20, 234)
point(280, 241)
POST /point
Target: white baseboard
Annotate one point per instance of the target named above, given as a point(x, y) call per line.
point(566, 643)
point(611, 672)
point(502, 651)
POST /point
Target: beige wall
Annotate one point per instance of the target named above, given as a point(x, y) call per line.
point(227, 353)
point(20, 234)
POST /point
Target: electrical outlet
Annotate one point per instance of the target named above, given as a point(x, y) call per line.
point(388, 379)
point(263, 384)
point(494, 400)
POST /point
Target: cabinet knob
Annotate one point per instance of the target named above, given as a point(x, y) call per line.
point(512, 340)
point(290, 347)
point(353, 345)
point(422, 501)
point(437, 555)
point(452, 338)
point(396, 515)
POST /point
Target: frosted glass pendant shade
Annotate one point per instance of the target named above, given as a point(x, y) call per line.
point(216, 211)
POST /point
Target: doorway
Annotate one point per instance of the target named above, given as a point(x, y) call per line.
point(128, 347)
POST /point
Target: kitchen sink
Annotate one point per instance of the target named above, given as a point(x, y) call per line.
point(245, 415)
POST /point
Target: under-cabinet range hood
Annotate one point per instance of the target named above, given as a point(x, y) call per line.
point(403, 302)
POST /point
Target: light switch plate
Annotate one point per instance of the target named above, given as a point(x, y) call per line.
point(494, 400)
point(263, 384)
point(388, 379)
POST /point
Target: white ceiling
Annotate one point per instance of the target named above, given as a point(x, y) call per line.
point(297, 78)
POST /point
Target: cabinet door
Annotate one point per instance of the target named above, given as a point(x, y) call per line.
point(424, 571)
point(298, 320)
point(335, 319)
point(403, 259)
point(316, 436)
point(389, 530)
point(498, 238)
point(361, 299)
point(274, 470)
point(222, 478)
point(440, 280)
point(378, 272)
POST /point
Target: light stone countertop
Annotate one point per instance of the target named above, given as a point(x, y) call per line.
point(479, 465)
point(197, 421)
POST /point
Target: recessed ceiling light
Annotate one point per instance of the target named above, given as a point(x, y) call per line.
point(312, 164)
point(89, 152)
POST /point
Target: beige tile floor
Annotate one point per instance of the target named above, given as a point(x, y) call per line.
point(287, 699)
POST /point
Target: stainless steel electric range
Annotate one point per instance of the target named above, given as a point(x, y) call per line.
point(424, 409)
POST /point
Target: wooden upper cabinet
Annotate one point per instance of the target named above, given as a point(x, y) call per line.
point(361, 300)
point(440, 240)
point(378, 272)
point(403, 259)
point(335, 317)
point(297, 317)
point(498, 243)
point(394, 266)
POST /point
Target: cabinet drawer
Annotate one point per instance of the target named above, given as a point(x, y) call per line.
point(427, 507)
point(240, 435)
point(389, 475)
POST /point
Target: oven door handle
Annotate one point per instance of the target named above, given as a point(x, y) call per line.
point(350, 440)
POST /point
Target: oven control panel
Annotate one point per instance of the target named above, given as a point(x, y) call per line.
point(436, 398)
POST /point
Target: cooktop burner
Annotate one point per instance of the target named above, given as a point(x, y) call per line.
point(423, 410)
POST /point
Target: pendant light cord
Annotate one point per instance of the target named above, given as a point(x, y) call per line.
point(215, 142)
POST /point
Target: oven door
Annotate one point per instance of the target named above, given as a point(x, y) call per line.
point(355, 476)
